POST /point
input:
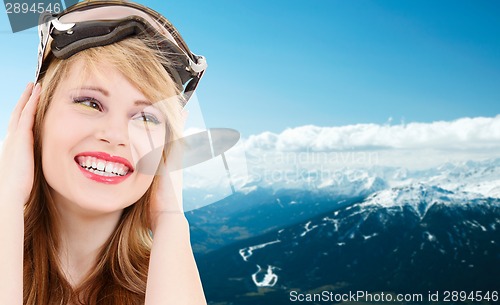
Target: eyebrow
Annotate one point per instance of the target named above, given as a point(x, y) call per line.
point(99, 89)
point(143, 103)
point(106, 94)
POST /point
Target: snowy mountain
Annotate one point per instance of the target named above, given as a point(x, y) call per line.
point(258, 208)
point(411, 238)
point(479, 177)
point(472, 177)
point(378, 229)
point(245, 215)
point(345, 183)
point(255, 210)
point(419, 197)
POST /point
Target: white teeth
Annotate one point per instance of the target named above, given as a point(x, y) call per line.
point(109, 167)
point(100, 173)
point(118, 169)
point(102, 167)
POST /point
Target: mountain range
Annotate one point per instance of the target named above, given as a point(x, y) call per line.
point(405, 232)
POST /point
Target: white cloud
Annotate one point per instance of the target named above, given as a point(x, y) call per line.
point(413, 145)
point(461, 134)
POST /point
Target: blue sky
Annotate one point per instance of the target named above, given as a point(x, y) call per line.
point(275, 65)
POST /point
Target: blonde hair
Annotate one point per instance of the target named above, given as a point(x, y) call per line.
point(120, 274)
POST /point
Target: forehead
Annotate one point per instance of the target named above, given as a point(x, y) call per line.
point(102, 75)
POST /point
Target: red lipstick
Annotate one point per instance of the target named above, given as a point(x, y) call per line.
point(105, 157)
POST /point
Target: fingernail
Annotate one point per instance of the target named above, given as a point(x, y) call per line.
point(36, 88)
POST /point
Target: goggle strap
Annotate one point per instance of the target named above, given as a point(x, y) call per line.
point(191, 87)
point(200, 65)
point(44, 29)
point(94, 35)
point(50, 26)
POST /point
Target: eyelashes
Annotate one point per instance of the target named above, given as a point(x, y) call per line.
point(89, 102)
point(148, 118)
point(93, 104)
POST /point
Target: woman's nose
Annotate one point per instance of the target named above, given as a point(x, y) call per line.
point(113, 130)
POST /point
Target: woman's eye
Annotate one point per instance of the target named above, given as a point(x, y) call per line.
point(88, 102)
point(148, 118)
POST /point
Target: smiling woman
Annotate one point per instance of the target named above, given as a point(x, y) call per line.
point(79, 153)
point(99, 117)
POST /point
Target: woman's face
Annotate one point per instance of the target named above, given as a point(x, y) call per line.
point(95, 131)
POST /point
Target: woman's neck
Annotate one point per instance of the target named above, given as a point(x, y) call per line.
point(82, 236)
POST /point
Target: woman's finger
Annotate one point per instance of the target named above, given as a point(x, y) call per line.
point(28, 115)
point(21, 103)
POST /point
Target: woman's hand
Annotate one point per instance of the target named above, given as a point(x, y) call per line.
point(173, 277)
point(168, 199)
point(16, 158)
point(16, 182)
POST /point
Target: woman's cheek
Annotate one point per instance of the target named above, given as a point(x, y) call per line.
point(147, 149)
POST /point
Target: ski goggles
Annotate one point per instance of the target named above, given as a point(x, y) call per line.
point(98, 23)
